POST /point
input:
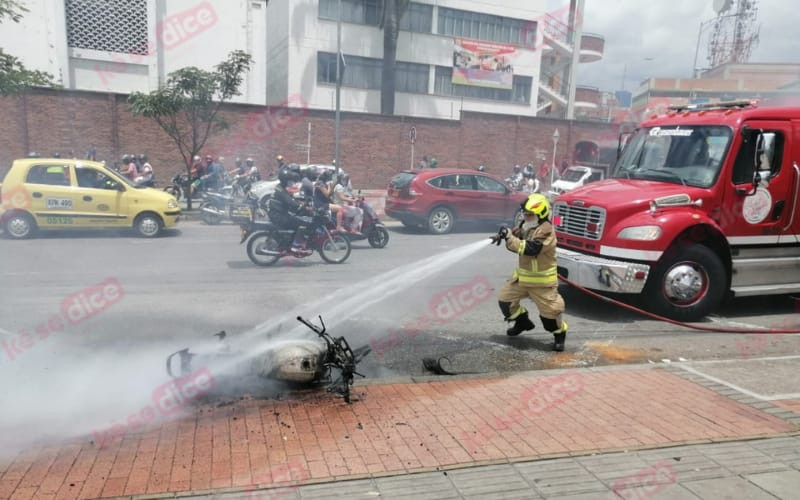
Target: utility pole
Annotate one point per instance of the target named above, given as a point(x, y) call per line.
point(338, 80)
point(577, 33)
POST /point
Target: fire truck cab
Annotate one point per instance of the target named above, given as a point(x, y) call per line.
point(702, 202)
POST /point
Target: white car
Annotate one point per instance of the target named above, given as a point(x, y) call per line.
point(575, 177)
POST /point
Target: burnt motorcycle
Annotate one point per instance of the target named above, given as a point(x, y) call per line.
point(267, 243)
point(331, 361)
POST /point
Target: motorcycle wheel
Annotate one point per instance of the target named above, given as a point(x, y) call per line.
point(263, 241)
point(335, 249)
point(209, 218)
point(174, 191)
point(378, 237)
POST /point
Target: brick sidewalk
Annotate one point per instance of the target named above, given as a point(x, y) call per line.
point(395, 429)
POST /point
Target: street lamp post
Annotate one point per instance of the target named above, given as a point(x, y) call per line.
point(338, 82)
point(556, 136)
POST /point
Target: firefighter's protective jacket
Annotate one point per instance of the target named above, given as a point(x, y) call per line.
point(537, 256)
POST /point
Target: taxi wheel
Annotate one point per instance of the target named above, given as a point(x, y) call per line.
point(148, 225)
point(20, 226)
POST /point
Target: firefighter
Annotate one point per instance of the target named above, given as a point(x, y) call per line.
point(536, 277)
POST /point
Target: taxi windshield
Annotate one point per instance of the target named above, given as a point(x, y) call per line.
point(690, 155)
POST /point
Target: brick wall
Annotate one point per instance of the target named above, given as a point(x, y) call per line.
point(373, 147)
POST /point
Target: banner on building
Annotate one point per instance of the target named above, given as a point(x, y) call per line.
point(483, 64)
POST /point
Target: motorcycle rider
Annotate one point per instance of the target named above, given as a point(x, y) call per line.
point(536, 277)
point(323, 195)
point(252, 170)
point(214, 173)
point(147, 178)
point(284, 211)
point(343, 196)
point(129, 169)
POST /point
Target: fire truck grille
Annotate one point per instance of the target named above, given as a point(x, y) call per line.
point(579, 221)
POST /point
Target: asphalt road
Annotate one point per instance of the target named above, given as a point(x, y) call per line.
point(87, 320)
point(197, 280)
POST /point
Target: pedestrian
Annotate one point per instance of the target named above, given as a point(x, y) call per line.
point(536, 276)
point(423, 163)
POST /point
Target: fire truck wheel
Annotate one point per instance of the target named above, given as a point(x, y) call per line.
point(687, 286)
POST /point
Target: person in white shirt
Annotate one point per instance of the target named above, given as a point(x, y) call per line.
point(343, 196)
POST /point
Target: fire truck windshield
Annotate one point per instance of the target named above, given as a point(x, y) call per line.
point(689, 155)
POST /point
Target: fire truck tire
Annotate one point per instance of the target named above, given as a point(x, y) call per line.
point(687, 286)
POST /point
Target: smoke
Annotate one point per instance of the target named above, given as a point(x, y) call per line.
point(60, 391)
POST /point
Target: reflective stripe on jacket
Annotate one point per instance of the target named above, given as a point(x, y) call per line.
point(540, 270)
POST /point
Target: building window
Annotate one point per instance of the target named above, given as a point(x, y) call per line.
point(109, 26)
point(521, 91)
point(365, 73)
point(486, 27)
point(353, 11)
point(412, 78)
point(418, 18)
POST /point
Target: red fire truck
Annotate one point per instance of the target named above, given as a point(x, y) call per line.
point(702, 203)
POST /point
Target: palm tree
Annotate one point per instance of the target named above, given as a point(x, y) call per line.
point(393, 11)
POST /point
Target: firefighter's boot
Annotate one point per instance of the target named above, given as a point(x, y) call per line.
point(521, 324)
point(559, 337)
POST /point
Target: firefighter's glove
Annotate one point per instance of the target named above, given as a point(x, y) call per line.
point(502, 235)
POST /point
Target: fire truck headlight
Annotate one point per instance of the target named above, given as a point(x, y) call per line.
point(641, 233)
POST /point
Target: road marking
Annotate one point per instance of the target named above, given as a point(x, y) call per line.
point(735, 387)
point(736, 323)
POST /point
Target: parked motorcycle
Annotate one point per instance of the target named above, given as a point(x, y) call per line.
point(372, 229)
point(267, 243)
point(217, 207)
point(178, 186)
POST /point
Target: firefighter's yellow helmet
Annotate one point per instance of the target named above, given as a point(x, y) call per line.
point(538, 205)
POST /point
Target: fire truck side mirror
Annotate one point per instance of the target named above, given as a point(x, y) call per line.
point(756, 182)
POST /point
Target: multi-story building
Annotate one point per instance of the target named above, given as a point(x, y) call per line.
point(513, 57)
point(122, 46)
point(529, 51)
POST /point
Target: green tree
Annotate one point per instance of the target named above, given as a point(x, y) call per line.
point(14, 77)
point(186, 107)
point(393, 11)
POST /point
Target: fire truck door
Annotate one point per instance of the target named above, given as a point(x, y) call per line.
point(759, 216)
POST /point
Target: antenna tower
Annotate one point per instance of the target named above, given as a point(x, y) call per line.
point(734, 32)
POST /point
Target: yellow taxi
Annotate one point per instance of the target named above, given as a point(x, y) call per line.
point(41, 193)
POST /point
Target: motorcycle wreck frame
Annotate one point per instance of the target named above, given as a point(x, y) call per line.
point(334, 364)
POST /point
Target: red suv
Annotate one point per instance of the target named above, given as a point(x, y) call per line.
point(437, 198)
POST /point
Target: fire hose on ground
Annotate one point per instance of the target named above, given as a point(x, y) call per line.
point(675, 322)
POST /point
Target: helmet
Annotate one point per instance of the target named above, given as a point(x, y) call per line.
point(209, 158)
point(249, 160)
point(287, 176)
point(279, 157)
point(536, 204)
point(481, 169)
point(517, 169)
point(126, 159)
point(142, 158)
point(433, 162)
point(147, 169)
point(196, 158)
